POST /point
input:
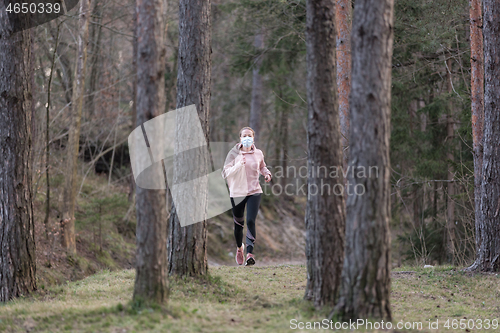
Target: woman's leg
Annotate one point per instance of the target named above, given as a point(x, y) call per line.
point(239, 220)
point(253, 204)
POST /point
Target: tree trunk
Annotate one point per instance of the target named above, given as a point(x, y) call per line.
point(477, 106)
point(412, 112)
point(69, 193)
point(423, 116)
point(366, 272)
point(417, 208)
point(284, 146)
point(488, 224)
point(96, 37)
point(256, 103)
point(325, 212)
point(343, 20)
point(134, 97)
point(450, 206)
point(188, 245)
point(151, 285)
point(134, 68)
point(47, 139)
point(63, 72)
point(17, 230)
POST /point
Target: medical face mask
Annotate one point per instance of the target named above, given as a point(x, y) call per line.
point(247, 141)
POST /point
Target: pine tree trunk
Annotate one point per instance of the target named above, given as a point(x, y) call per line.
point(325, 212)
point(134, 68)
point(488, 248)
point(70, 186)
point(450, 205)
point(257, 89)
point(17, 230)
point(477, 106)
point(366, 272)
point(343, 20)
point(187, 246)
point(151, 285)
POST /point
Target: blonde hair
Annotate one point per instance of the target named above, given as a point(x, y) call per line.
point(248, 128)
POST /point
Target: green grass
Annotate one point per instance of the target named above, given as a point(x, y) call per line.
point(240, 299)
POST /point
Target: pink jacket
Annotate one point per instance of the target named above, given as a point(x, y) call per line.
point(243, 180)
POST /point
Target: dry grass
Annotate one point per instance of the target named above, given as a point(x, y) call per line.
point(241, 299)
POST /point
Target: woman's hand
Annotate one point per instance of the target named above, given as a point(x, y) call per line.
point(243, 161)
point(268, 178)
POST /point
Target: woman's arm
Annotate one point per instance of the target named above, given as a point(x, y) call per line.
point(230, 168)
point(262, 167)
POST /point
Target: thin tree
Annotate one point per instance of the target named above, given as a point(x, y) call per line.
point(325, 212)
point(17, 229)
point(450, 200)
point(133, 112)
point(257, 86)
point(47, 138)
point(95, 40)
point(151, 285)
point(343, 20)
point(188, 245)
point(488, 224)
point(70, 184)
point(366, 272)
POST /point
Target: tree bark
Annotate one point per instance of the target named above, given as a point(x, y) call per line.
point(477, 106)
point(134, 68)
point(151, 285)
point(284, 146)
point(257, 89)
point(366, 272)
point(416, 199)
point(96, 37)
point(325, 212)
point(343, 20)
point(70, 185)
point(488, 224)
point(134, 98)
point(450, 201)
point(17, 230)
point(187, 246)
point(47, 138)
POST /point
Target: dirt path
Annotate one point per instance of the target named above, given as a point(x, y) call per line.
point(260, 263)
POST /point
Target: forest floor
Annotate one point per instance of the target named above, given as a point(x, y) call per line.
point(105, 230)
point(247, 299)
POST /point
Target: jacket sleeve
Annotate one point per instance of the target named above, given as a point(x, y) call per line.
point(262, 167)
point(230, 168)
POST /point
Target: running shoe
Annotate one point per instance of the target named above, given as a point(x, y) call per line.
point(240, 256)
point(250, 260)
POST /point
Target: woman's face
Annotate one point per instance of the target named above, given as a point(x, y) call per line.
point(245, 133)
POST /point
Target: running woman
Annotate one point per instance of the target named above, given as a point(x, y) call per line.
point(243, 165)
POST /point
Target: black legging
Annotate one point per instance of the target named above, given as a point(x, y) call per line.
point(252, 202)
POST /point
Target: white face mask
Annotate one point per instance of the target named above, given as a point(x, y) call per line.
point(247, 141)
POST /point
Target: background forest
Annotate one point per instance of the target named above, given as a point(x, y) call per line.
point(258, 45)
point(395, 85)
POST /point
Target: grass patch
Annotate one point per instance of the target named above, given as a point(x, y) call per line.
point(229, 299)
